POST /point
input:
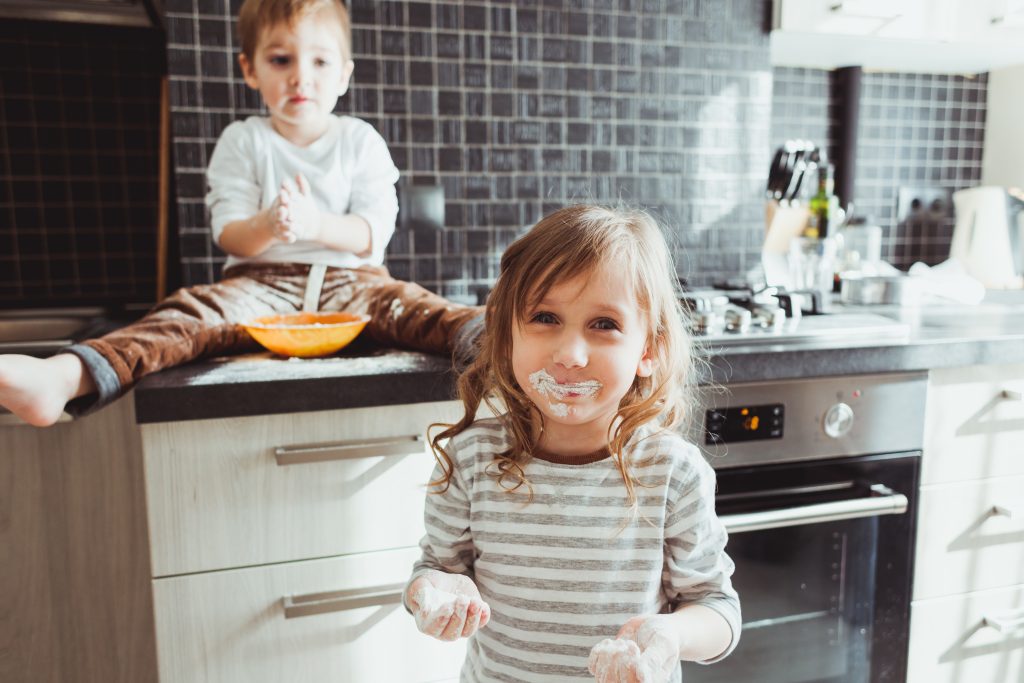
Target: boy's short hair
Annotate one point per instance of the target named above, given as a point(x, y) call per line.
point(256, 16)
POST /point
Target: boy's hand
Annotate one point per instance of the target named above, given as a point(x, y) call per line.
point(447, 606)
point(646, 650)
point(295, 213)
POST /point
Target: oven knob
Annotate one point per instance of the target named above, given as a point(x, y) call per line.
point(838, 420)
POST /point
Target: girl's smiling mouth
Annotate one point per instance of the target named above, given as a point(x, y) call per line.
point(546, 385)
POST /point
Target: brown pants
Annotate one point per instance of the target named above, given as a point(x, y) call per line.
point(203, 320)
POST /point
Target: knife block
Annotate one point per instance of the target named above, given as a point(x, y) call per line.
point(783, 222)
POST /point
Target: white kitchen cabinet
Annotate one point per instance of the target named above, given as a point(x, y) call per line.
point(241, 626)
point(931, 36)
point(170, 553)
point(967, 613)
point(968, 638)
point(274, 488)
point(324, 509)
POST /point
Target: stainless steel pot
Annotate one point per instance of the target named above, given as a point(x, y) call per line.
point(898, 290)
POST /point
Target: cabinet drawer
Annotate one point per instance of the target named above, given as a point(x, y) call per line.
point(969, 638)
point(974, 424)
point(231, 626)
point(258, 490)
point(971, 537)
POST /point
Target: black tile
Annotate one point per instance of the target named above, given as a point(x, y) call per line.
point(420, 14)
point(474, 17)
point(421, 73)
point(449, 102)
point(214, 33)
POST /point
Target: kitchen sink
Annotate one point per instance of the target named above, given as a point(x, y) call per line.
point(25, 331)
point(40, 329)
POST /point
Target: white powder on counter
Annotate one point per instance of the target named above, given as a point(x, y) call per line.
point(265, 367)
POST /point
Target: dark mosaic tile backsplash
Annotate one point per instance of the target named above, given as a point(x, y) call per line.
point(921, 135)
point(79, 131)
point(515, 108)
point(518, 108)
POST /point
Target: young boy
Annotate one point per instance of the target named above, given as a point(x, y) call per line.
point(302, 200)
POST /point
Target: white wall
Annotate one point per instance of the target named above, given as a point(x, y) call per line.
point(1002, 160)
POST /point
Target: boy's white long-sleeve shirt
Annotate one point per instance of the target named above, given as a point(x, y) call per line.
point(349, 169)
point(569, 568)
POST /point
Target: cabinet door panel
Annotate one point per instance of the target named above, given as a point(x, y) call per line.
point(228, 627)
point(971, 537)
point(257, 490)
point(974, 424)
point(968, 638)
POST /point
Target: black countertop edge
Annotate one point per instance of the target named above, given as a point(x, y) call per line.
point(176, 403)
point(736, 366)
point(262, 385)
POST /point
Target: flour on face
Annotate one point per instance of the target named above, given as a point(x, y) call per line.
point(546, 385)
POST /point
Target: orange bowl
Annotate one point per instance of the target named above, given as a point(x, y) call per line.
point(306, 335)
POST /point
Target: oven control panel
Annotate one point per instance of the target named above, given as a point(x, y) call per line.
point(744, 423)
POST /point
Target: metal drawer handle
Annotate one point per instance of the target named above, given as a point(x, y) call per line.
point(1000, 511)
point(1004, 624)
point(883, 501)
point(341, 601)
point(347, 450)
point(1012, 395)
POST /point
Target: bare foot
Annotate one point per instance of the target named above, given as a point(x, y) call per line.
point(36, 389)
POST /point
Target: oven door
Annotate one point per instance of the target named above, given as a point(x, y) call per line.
point(823, 554)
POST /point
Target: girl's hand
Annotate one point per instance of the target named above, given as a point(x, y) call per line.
point(646, 650)
point(447, 606)
point(295, 211)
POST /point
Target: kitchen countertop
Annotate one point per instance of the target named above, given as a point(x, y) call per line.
point(990, 333)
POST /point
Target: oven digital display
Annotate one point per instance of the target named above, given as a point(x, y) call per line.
point(745, 423)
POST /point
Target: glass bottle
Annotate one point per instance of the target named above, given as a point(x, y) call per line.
point(823, 204)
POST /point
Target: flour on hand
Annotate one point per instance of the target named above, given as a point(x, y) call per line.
point(434, 605)
point(620, 659)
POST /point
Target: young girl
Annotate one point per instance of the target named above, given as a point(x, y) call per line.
point(574, 536)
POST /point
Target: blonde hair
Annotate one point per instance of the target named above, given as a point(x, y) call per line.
point(256, 16)
point(568, 243)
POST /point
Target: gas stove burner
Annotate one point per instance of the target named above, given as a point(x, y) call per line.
point(737, 312)
point(723, 317)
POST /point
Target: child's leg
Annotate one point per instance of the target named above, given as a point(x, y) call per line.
point(36, 389)
point(402, 313)
point(191, 323)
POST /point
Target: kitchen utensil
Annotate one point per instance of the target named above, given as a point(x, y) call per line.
point(795, 176)
point(898, 290)
point(775, 174)
point(989, 235)
point(306, 335)
point(314, 286)
point(812, 265)
point(860, 247)
point(780, 173)
point(784, 223)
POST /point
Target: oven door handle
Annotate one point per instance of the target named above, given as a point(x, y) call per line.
point(882, 501)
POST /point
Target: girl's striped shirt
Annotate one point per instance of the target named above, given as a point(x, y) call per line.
point(571, 566)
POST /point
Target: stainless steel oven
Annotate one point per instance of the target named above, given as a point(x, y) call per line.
point(817, 484)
